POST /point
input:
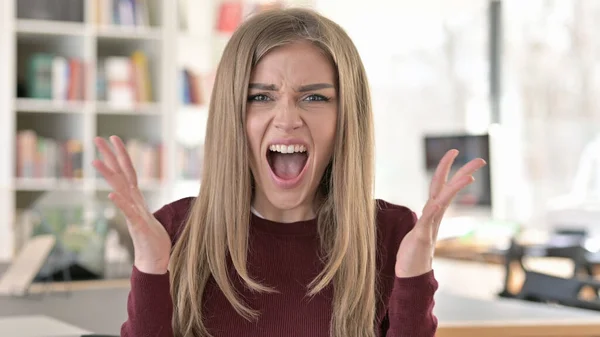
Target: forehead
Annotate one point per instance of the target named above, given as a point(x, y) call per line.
point(300, 62)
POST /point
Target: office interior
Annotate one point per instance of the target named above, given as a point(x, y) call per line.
point(514, 82)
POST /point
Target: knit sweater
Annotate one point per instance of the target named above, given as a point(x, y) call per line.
point(285, 256)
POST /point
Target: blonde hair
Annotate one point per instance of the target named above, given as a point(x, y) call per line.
point(218, 223)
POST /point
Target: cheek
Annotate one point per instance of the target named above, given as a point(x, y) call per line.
point(324, 133)
point(254, 131)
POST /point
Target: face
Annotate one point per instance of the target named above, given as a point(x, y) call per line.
point(290, 124)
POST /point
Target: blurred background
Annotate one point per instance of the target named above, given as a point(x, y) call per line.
point(514, 82)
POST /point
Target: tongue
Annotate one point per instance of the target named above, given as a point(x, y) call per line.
point(288, 165)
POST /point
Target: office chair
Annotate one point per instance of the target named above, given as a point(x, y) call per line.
point(540, 287)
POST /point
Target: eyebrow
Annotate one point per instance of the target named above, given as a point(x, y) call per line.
point(304, 88)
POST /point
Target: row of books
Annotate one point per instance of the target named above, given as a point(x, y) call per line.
point(189, 162)
point(230, 14)
point(146, 157)
point(193, 87)
point(42, 157)
point(121, 80)
point(50, 76)
point(124, 12)
point(124, 81)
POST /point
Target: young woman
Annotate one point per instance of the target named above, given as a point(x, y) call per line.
point(285, 237)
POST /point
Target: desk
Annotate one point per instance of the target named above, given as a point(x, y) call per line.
point(461, 316)
point(37, 326)
point(104, 310)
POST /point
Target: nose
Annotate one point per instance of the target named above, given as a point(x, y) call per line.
point(287, 117)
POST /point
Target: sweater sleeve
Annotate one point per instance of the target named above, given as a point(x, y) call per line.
point(149, 303)
point(411, 299)
point(410, 308)
point(149, 306)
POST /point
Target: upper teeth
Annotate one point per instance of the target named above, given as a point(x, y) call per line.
point(287, 148)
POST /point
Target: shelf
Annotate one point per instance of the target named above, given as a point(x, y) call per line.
point(49, 106)
point(144, 185)
point(143, 109)
point(49, 27)
point(47, 184)
point(128, 32)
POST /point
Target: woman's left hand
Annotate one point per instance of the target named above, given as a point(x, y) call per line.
point(416, 251)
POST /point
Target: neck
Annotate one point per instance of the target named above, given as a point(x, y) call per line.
point(264, 209)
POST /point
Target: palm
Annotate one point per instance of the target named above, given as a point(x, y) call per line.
point(151, 241)
point(415, 253)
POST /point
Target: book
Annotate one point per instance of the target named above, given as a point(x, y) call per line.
point(55, 77)
point(133, 13)
point(42, 157)
point(192, 88)
point(124, 81)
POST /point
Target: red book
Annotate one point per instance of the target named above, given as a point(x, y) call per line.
point(230, 16)
point(75, 80)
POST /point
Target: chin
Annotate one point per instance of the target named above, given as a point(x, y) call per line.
point(287, 200)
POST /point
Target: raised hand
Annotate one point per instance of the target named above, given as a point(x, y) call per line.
point(416, 251)
point(151, 242)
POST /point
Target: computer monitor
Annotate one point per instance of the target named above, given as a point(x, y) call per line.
point(479, 193)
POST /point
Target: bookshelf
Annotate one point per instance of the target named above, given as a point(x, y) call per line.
point(56, 121)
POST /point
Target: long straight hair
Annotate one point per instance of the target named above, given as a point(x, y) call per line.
point(215, 235)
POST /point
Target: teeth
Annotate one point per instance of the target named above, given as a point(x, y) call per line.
point(287, 148)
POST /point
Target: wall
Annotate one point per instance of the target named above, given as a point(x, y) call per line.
point(427, 67)
point(551, 81)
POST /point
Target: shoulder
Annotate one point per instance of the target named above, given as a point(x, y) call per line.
point(174, 215)
point(393, 223)
point(394, 219)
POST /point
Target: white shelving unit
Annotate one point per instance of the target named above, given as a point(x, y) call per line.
point(165, 120)
point(82, 120)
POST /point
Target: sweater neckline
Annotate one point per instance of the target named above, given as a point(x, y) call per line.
point(297, 228)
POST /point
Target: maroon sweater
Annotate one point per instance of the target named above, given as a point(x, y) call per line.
point(284, 255)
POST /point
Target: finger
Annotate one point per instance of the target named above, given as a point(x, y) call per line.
point(451, 189)
point(468, 169)
point(128, 208)
point(124, 160)
point(426, 224)
point(435, 209)
point(115, 180)
point(432, 208)
point(107, 154)
point(139, 201)
point(441, 173)
point(122, 188)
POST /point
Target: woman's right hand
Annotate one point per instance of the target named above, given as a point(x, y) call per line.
point(151, 242)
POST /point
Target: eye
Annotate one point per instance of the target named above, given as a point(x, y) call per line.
point(258, 98)
point(316, 98)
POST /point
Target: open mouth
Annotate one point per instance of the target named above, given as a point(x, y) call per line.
point(287, 162)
